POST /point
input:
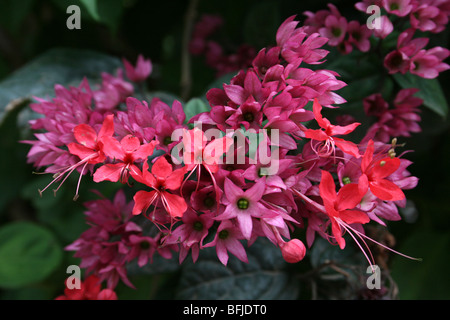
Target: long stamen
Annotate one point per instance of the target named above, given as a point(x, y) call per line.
point(66, 173)
point(186, 179)
point(372, 260)
point(79, 181)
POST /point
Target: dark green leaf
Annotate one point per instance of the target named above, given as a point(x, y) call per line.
point(108, 12)
point(57, 66)
point(262, 277)
point(194, 107)
point(429, 90)
point(28, 254)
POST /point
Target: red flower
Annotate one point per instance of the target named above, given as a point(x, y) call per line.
point(161, 178)
point(89, 149)
point(90, 289)
point(90, 146)
point(329, 132)
point(128, 151)
point(338, 205)
point(374, 172)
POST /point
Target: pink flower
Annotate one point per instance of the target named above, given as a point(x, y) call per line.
point(293, 251)
point(429, 63)
point(335, 29)
point(228, 238)
point(244, 205)
point(191, 233)
point(363, 5)
point(400, 8)
point(375, 105)
point(399, 121)
point(422, 17)
point(296, 43)
point(141, 71)
point(385, 28)
point(143, 248)
point(359, 35)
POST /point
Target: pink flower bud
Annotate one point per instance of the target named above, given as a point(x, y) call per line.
point(293, 251)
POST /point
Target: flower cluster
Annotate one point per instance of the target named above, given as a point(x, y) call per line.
point(264, 161)
point(410, 55)
point(399, 121)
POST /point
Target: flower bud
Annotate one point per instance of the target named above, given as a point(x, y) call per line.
point(293, 251)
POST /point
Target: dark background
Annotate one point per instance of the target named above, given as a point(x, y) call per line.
point(154, 28)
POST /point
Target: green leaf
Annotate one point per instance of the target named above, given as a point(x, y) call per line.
point(108, 12)
point(92, 8)
point(28, 254)
point(430, 91)
point(195, 106)
point(262, 277)
point(57, 66)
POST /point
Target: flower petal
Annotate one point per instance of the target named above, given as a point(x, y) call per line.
point(161, 168)
point(143, 200)
point(255, 193)
point(85, 135)
point(348, 197)
point(383, 168)
point(174, 204)
point(107, 128)
point(347, 147)
point(174, 180)
point(327, 187)
point(112, 148)
point(386, 190)
point(232, 192)
point(110, 172)
point(130, 143)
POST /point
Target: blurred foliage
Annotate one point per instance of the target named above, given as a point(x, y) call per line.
point(38, 50)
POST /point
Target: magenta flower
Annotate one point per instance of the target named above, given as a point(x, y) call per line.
point(335, 29)
point(296, 43)
point(228, 238)
point(422, 17)
point(244, 205)
point(359, 35)
point(400, 8)
point(191, 233)
point(386, 27)
point(429, 63)
point(141, 71)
